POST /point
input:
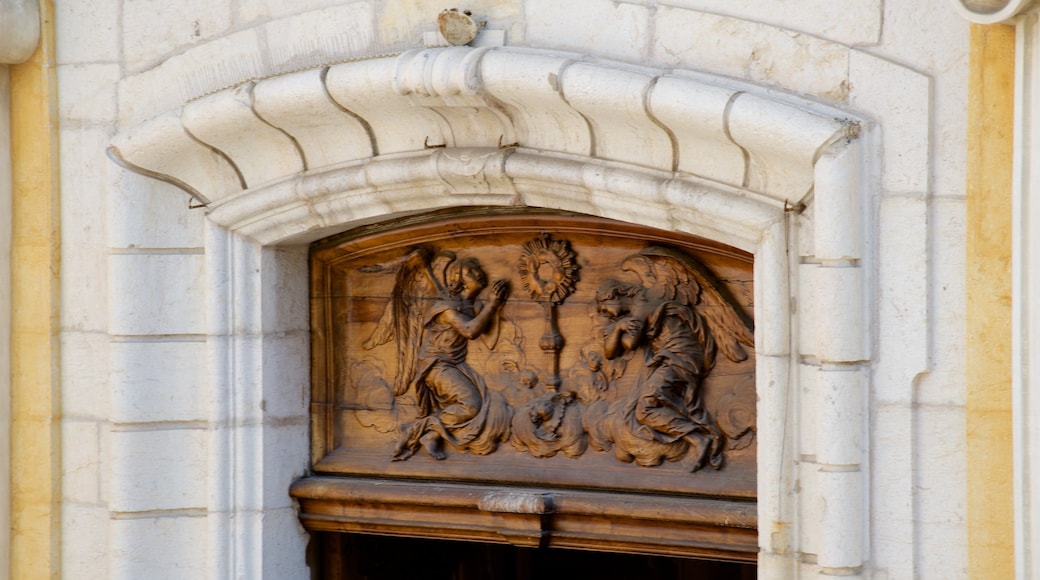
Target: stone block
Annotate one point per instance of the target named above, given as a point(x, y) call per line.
point(809, 505)
point(903, 298)
point(940, 492)
point(300, 222)
point(85, 541)
point(400, 25)
point(185, 24)
point(162, 148)
point(207, 68)
point(775, 444)
point(839, 202)
point(152, 214)
point(250, 11)
point(156, 294)
point(806, 314)
point(284, 545)
point(941, 552)
point(286, 375)
point(80, 462)
point(88, 92)
point(87, 177)
point(950, 283)
point(773, 294)
point(751, 51)
point(892, 489)
point(695, 114)
point(939, 49)
point(87, 32)
point(226, 121)
point(618, 30)
point(162, 469)
point(366, 89)
point(840, 411)
point(782, 143)
point(285, 460)
point(156, 381)
point(159, 548)
point(286, 290)
point(842, 519)
point(298, 105)
point(85, 375)
point(853, 22)
point(613, 102)
point(840, 329)
point(322, 36)
point(446, 81)
point(809, 395)
point(105, 443)
point(716, 214)
point(898, 98)
point(804, 226)
point(528, 90)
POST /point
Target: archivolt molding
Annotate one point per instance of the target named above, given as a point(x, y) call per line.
point(316, 204)
point(456, 106)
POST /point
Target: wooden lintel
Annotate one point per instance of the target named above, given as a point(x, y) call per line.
point(642, 523)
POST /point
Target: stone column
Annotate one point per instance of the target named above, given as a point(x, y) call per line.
point(1025, 258)
point(19, 35)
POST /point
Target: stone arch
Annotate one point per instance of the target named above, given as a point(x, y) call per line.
point(289, 159)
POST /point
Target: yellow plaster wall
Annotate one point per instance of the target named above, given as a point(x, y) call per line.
point(35, 301)
point(988, 320)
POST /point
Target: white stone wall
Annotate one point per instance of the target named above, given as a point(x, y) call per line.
point(185, 331)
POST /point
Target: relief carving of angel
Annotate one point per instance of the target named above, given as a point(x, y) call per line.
point(675, 320)
point(432, 315)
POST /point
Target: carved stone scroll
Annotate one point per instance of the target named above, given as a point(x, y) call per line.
point(606, 356)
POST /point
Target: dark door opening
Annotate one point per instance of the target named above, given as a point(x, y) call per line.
point(365, 557)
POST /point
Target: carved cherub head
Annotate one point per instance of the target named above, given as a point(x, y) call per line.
point(528, 379)
point(466, 278)
point(614, 298)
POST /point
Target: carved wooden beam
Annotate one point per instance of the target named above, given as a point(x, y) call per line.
point(674, 526)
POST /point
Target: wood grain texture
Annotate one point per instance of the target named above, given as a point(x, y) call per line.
point(567, 354)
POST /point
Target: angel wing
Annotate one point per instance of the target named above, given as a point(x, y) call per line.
point(418, 282)
point(668, 274)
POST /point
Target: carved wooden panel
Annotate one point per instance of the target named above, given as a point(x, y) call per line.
point(545, 351)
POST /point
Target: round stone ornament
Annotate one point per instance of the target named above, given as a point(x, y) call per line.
point(458, 28)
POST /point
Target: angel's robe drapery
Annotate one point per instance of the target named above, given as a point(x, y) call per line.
point(457, 406)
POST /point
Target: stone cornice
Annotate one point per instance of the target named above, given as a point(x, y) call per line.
point(19, 30)
point(992, 11)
